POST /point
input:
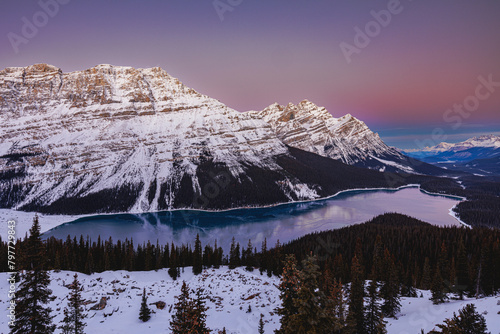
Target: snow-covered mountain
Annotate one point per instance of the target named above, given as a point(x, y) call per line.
point(312, 128)
point(492, 141)
point(482, 147)
point(114, 138)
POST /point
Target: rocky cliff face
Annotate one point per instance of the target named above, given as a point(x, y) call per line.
point(114, 138)
point(311, 128)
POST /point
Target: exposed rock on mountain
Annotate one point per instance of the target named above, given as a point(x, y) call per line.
point(311, 128)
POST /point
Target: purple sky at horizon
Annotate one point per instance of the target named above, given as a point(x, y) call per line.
point(424, 61)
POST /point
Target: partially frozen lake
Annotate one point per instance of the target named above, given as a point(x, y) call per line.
point(283, 222)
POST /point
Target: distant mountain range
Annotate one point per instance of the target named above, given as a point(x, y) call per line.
point(477, 155)
point(118, 139)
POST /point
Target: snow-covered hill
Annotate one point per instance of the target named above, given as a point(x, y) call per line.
point(231, 293)
point(312, 128)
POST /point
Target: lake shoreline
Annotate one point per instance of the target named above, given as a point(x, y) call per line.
point(49, 222)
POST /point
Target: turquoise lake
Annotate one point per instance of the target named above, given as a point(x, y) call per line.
point(283, 222)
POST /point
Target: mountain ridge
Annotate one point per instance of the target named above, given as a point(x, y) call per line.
point(490, 140)
point(478, 148)
point(347, 139)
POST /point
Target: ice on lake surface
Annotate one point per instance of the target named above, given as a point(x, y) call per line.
point(284, 222)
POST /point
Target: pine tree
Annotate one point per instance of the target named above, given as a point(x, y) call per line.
point(425, 283)
point(261, 324)
point(263, 257)
point(311, 303)
point(184, 317)
point(337, 306)
point(407, 287)
point(496, 264)
point(444, 268)
point(148, 257)
point(374, 317)
point(173, 270)
point(234, 255)
point(486, 281)
point(200, 309)
point(288, 292)
point(338, 266)
point(33, 292)
point(390, 288)
point(197, 256)
point(453, 273)
point(462, 283)
point(144, 312)
point(355, 315)
point(378, 270)
point(89, 264)
point(437, 288)
point(468, 321)
point(335, 300)
point(444, 265)
point(208, 256)
point(74, 314)
point(249, 257)
point(217, 256)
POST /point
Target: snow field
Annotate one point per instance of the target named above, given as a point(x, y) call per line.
point(230, 293)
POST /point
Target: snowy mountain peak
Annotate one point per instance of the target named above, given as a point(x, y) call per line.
point(312, 128)
point(490, 141)
point(41, 68)
point(104, 89)
point(484, 141)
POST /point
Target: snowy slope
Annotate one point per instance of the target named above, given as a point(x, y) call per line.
point(231, 291)
point(312, 128)
point(24, 221)
point(420, 313)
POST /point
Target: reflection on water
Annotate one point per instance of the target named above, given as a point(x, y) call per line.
point(284, 222)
